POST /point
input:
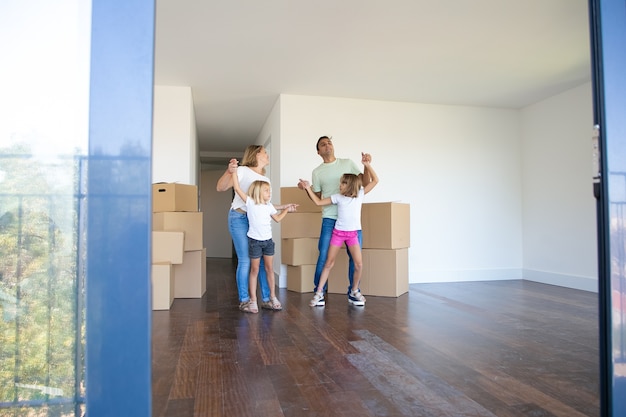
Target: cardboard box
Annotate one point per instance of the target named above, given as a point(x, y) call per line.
point(299, 251)
point(300, 278)
point(167, 246)
point(385, 272)
point(386, 225)
point(300, 197)
point(162, 279)
point(296, 225)
point(190, 276)
point(190, 223)
point(174, 197)
point(338, 279)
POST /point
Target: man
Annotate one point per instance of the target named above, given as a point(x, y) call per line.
point(325, 182)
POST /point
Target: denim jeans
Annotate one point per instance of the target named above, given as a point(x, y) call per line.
point(325, 234)
point(238, 227)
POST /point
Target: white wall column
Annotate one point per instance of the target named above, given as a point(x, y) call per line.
point(175, 156)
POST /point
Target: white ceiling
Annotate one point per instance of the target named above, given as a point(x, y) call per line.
point(239, 55)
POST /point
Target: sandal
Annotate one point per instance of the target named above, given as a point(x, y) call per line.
point(250, 307)
point(272, 304)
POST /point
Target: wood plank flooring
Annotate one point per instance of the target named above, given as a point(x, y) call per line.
point(479, 349)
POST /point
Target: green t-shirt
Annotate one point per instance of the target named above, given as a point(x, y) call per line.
point(326, 178)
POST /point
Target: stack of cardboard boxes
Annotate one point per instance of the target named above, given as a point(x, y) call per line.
point(178, 253)
point(299, 233)
point(386, 239)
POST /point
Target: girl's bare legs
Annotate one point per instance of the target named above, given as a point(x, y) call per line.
point(273, 303)
point(330, 262)
point(357, 258)
point(254, 273)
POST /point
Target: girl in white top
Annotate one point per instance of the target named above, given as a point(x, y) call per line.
point(260, 213)
point(349, 202)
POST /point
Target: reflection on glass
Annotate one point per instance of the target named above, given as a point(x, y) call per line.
point(43, 137)
point(41, 329)
point(617, 191)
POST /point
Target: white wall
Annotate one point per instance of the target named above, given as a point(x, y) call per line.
point(175, 156)
point(559, 216)
point(458, 167)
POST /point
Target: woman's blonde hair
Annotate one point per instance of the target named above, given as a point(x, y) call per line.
point(255, 191)
point(353, 184)
point(249, 156)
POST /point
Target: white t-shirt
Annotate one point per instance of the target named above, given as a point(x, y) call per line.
point(246, 177)
point(348, 211)
point(260, 219)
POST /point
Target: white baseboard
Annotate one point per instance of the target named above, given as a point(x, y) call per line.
point(562, 280)
point(423, 277)
point(551, 278)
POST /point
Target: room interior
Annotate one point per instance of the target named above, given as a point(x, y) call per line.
point(514, 203)
point(481, 139)
point(469, 120)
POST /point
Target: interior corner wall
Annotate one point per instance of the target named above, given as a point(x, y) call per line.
point(194, 158)
point(270, 137)
point(559, 215)
point(175, 156)
point(215, 206)
point(458, 167)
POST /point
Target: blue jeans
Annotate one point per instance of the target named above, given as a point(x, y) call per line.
point(238, 228)
point(327, 231)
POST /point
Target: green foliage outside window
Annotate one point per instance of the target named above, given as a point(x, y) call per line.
point(41, 314)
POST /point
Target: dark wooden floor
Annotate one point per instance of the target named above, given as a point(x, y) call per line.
point(504, 348)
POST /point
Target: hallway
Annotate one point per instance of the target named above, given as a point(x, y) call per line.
point(497, 348)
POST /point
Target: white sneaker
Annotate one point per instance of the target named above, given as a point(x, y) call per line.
point(356, 298)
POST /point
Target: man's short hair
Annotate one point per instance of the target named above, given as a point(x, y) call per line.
point(317, 145)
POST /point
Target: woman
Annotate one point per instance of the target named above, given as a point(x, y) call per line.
point(252, 168)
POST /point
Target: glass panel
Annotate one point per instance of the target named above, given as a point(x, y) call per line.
point(608, 34)
point(617, 214)
point(43, 141)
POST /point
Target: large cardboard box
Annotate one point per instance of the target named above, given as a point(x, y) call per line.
point(299, 251)
point(385, 272)
point(301, 225)
point(190, 223)
point(300, 197)
point(300, 278)
point(162, 278)
point(174, 197)
point(190, 276)
point(167, 246)
point(338, 278)
point(386, 225)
